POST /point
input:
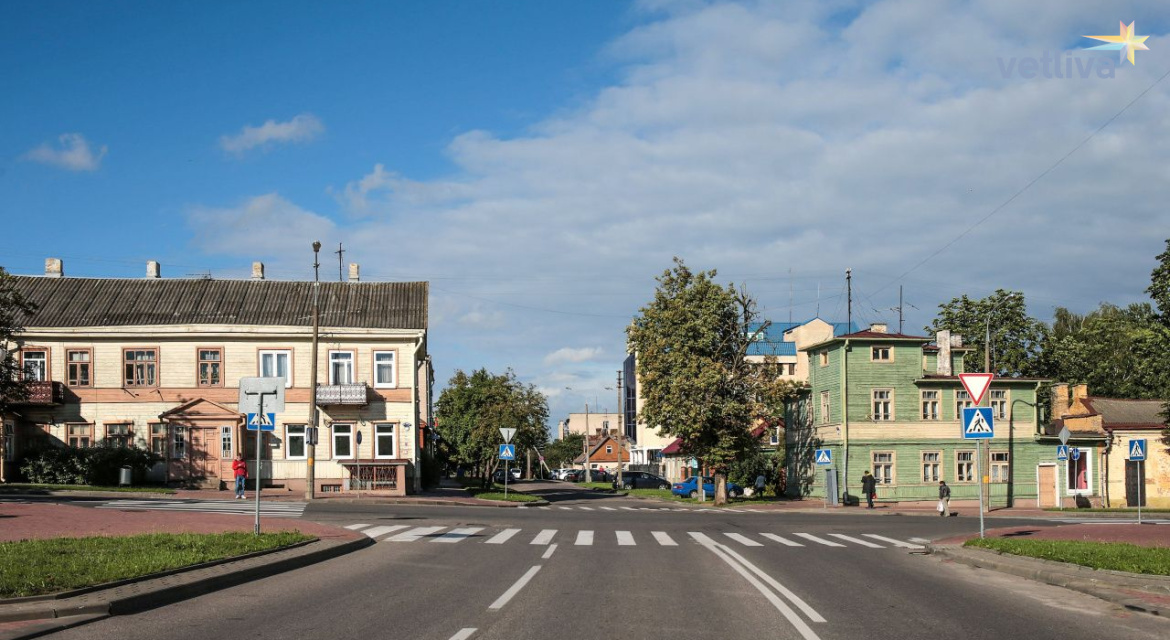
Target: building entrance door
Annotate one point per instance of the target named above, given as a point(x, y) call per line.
point(1135, 478)
point(1046, 485)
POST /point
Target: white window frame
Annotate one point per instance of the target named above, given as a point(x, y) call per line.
point(275, 355)
point(152, 430)
point(351, 361)
point(41, 373)
point(393, 366)
point(888, 401)
point(999, 471)
point(825, 408)
point(227, 442)
point(962, 401)
point(965, 465)
point(885, 472)
point(1000, 402)
point(378, 427)
point(178, 442)
point(346, 436)
point(1087, 456)
point(289, 435)
point(933, 403)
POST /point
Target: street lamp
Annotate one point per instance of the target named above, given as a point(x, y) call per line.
point(311, 448)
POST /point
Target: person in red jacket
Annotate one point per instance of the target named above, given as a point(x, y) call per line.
point(241, 470)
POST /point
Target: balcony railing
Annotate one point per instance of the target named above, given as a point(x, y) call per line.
point(44, 392)
point(342, 394)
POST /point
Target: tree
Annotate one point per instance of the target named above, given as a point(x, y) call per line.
point(562, 452)
point(1017, 339)
point(697, 384)
point(13, 386)
point(473, 408)
point(1159, 288)
point(1119, 352)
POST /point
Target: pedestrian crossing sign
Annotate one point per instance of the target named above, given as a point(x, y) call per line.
point(977, 423)
point(1137, 450)
point(1062, 452)
point(261, 422)
point(507, 452)
point(824, 456)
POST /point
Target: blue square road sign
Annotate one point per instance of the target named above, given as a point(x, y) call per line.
point(1137, 450)
point(978, 423)
point(507, 452)
point(261, 421)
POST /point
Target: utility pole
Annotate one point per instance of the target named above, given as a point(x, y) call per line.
point(588, 474)
point(899, 309)
point(340, 263)
point(311, 453)
point(621, 427)
point(849, 294)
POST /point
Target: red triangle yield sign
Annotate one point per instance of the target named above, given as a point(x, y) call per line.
point(976, 384)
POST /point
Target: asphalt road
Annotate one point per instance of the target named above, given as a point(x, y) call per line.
point(611, 567)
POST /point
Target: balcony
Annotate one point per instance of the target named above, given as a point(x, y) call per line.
point(342, 394)
point(43, 393)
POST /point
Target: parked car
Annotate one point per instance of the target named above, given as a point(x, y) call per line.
point(559, 474)
point(498, 476)
point(642, 480)
point(689, 488)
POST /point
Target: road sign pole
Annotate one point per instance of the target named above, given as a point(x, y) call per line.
point(259, 440)
point(1141, 481)
point(506, 474)
point(979, 468)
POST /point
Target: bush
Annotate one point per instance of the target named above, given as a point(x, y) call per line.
point(93, 466)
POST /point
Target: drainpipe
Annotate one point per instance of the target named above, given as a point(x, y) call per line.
point(845, 413)
point(414, 408)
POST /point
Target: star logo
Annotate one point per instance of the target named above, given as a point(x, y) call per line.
point(1125, 42)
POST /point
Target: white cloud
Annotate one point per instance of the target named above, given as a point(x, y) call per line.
point(301, 128)
point(72, 152)
point(265, 225)
point(570, 355)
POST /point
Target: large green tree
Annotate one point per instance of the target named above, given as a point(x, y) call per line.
point(1017, 339)
point(562, 452)
point(1119, 352)
point(1159, 291)
point(697, 384)
point(473, 408)
point(13, 308)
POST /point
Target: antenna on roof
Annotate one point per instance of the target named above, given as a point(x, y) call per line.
point(818, 299)
point(340, 263)
point(900, 308)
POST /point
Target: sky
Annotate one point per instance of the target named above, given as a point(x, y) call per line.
point(539, 163)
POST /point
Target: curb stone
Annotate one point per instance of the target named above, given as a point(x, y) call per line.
point(1100, 583)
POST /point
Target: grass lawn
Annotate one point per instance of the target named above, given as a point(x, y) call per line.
point(652, 493)
point(34, 567)
point(496, 492)
point(1117, 556)
point(1118, 510)
point(21, 488)
point(595, 485)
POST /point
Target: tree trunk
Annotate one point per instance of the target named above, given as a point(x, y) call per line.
point(720, 488)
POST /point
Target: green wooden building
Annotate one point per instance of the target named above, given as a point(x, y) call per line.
point(891, 404)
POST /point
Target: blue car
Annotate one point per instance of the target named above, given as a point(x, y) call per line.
point(689, 488)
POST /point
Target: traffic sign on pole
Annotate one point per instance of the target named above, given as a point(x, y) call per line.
point(1062, 452)
point(1075, 453)
point(976, 384)
point(824, 456)
point(1064, 435)
point(262, 421)
point(507, 433)
point(978, 423)
point(507, 452)
point(1137, 450)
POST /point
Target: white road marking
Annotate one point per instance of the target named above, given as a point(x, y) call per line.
point(502, 537)
point(585, 508)
point(378, 531)
point(464, 634)
point(609, 508)
point(781, 589)
point(355, 527)
point(565, 508)
point(663, 539)
point(897, 543)
point(548, 554)
point(584, 538)
point(544, 537)
point(514, 589)
point(625, 539)
point(629, 508)
point(920, 540)
point(701, 538)
point(805, 631)
point(783, 541)
point(457, 535)
point(864, 543)
point(415, 534)
point(744, 540)
point(827, 543)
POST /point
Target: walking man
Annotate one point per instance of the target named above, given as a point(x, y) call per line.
point(869, 488)
point(761, 482)
point(944, 499)
point(240, 468)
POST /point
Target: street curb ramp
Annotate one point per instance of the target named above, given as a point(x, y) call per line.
point(1105, 584)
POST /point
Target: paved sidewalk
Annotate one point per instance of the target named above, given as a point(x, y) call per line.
point(29, 617)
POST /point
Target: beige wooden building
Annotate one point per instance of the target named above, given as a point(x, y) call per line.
point(155, 363)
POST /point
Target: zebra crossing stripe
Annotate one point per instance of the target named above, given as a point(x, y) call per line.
point(355, 527)
point(585, 508)
point(564, 508)
point(457, 535)
point(783, 541)
point(864, 543)
point(742, 539)
point(625, 539)
point(827, 543)
point(584, 538)
point(701, 538)
point(663, 539)
point(502, 537)
point(896, 543)
point(544, 537)
point(381, 531)
point(415, 534)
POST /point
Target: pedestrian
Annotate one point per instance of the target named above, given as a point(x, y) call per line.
point(869, 488)
point(944, 498)
point(240, 468)
point(761, 482)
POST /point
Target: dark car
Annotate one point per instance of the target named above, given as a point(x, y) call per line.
point(642, 480)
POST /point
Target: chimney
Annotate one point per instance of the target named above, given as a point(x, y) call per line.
point(54, 268)
point(354, 273)
point(879, 327)
point(1079, 392)
point(152, 269)
point(943, 340)
point(1059, 400)
point(257, 270)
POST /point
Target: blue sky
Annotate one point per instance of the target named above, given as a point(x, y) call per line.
point(540, 162)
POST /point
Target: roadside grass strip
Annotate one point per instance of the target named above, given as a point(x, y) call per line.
point(35, 567)
point(25, 488)
point(497, 493)
point(1115, 556)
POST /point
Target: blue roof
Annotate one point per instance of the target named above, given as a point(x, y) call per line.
point(772, 343)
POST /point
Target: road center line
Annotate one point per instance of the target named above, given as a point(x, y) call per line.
point(784, 609)
point(781, 589)
point(514, 589)
point(548, 554)
point(463, 634)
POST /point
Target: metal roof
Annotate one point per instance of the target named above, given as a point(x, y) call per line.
point(92, 302)
point(1118, 412)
